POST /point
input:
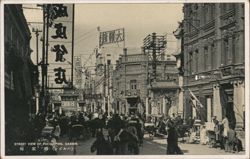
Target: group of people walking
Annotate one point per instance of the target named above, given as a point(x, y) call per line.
point(124, 136)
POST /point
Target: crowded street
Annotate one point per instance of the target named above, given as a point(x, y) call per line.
point(78, 135)
point(149, 147)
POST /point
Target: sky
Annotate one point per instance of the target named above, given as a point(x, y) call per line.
point(139, 20)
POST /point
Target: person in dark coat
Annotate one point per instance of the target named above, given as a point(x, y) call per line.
point(232, 139)
point(172, 140)
point(101, 146)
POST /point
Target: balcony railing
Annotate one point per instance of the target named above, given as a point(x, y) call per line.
point(134, 92)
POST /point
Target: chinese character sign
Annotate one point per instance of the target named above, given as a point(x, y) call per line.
point(113, 36)
point(60, 54)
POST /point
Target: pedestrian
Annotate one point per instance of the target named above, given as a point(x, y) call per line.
point(216, 131)
point(57, 131)
point(172, 140)
point(225, 124)
point(232, 139)
point(101, 146)
point(203, 135)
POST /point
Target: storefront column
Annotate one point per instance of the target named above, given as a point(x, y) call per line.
point(194, 114)
point(164, 105)
point(147, 107)
point(209, 109)
point(37, 102)
point(216, 102)
point(180, 106)
point(239, 102)
point(126, 107)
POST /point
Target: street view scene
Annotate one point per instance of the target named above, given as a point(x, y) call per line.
point(124, 79)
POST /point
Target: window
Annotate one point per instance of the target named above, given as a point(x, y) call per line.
point(213, 63)
point(226, 51)
point(196, 61)
point(233, 48)
point(230, 6)
point(133, 84)
point(225, 7)
point(190, 63)
point(212, 11)
point(206, 60)
point(205, 13)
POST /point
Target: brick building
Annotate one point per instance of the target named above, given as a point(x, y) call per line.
point(214, 61)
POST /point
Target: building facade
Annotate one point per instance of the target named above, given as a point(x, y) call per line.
point(102, 86)
point(20, 78)
point(213, 46)
point(135, 92)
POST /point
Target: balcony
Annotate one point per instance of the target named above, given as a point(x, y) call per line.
point(164, 85)
point(132, 93)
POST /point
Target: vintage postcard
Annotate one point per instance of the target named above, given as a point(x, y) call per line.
point(153, 79)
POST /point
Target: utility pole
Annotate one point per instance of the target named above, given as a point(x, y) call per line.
point(108, 67)
point(45, 55)
point(37, 31)
point(104, 87)
point(43, 60)
point(153, 47)
point(154, 55)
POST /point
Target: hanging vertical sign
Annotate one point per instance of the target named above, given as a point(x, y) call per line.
point(61, 44)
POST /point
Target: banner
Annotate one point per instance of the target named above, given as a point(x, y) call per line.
point(113, 36)
point(61, 43)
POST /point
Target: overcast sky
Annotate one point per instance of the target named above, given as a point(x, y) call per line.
point(139, 20)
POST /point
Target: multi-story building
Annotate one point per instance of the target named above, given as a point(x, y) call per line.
point(19, 77)
point(105, 62)
point(129, 83)
point(214, 61)
point(133, 91)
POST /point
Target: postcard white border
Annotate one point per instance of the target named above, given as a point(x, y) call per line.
point(247, 63)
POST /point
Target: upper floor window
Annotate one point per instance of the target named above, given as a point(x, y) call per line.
point(196, 61)
point(225, 7)
point(133, 84)
point(213, 58)
point(206, 63)
point(190, 63)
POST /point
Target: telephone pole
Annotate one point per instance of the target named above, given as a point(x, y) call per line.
point(37, 31)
